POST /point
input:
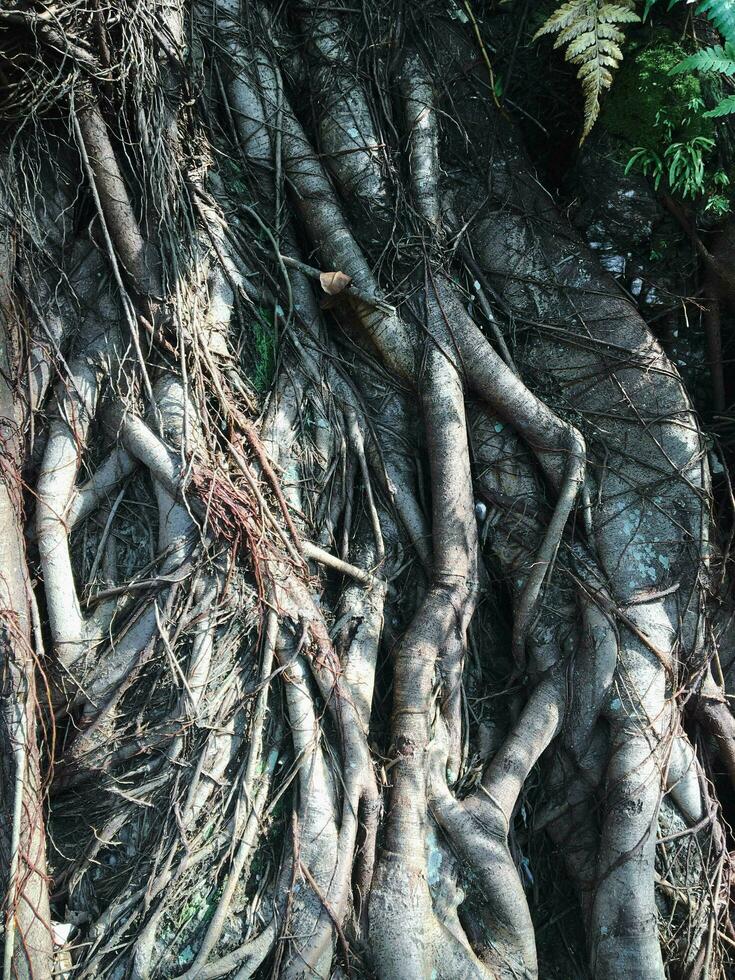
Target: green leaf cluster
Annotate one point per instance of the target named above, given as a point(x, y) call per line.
point(648, 107)
point(682, 166)
point(719, 59)
point(658, 111)
point(721, 13)
point(716, 60)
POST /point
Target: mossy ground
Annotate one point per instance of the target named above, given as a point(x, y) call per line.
point(649, 107)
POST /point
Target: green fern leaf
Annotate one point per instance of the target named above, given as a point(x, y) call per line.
point(723, 108)
point(713, 60)
point(722, 14)
point(590, 30)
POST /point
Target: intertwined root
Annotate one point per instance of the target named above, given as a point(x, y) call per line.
point(277, 726)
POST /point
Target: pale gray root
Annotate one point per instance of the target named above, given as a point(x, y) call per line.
point(218, 752)
point(245, 959)
point(576, 776)
point(405, 934)
point(246, 826)
point(611, 628)
point(649, 482)
point(76, 405)
point(310, 949)
point(560, 447)
point(517, 523)
point(255, 123)
point(640, 720)
point(507, 480)
point(684, 780)
point(363, 603)
point(571, 817)
point(716, 716)
point(44, 242)
point(316, 827)
point(137, 257)
point(417, 92)
point(359, 803)
point(101, 684)
point(252, 92)
point(292, 598)
point(106, 478)
point(460, 530)
point(348, 136)
point(54, 313)
point(176, 531)
point(361, 612)
point(324, 221)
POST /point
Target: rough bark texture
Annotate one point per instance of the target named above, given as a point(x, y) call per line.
point(364, 592)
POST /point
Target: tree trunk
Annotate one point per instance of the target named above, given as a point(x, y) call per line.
point(363, 583)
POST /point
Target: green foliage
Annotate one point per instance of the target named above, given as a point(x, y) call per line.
point(679, 160)
point(718, 60)
point(685, 166)
point(682, 166)
point(710, 60)
point(722, 15)
point(264, 352)
point(658, 111)
point(590, 30)
point(718, 204)
point(724, 107)
point(657, 108)
point(650, 109)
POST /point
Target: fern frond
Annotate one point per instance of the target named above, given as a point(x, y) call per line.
point(722, 14)
point(590, 30)
point(564, 16)
point(714, 60)
point(580, 44)
point(723, 108)
point(618, 14)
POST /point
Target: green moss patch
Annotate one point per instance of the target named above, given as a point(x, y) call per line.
point(647, 107)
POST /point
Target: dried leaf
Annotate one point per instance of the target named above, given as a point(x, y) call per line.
point(334, 282)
